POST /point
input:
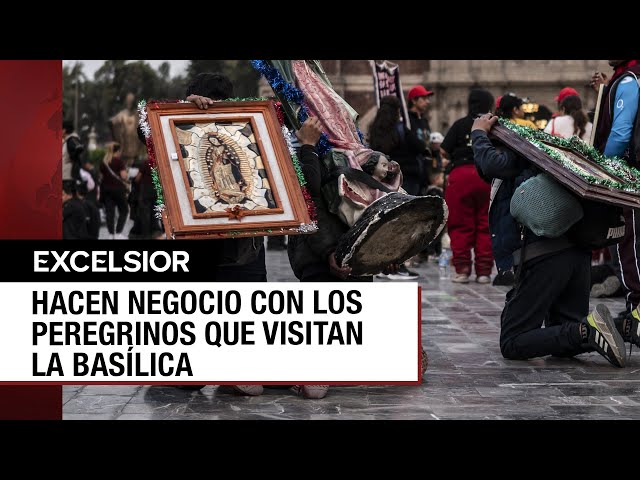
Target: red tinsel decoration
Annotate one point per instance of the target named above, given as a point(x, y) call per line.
point(151, 154)
point(279, 112)
point(310, 205)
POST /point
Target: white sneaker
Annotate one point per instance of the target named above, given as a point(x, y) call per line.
point(483, 279)
point(460, 278)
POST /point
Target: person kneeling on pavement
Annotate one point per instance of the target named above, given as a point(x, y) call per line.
point(552, 285)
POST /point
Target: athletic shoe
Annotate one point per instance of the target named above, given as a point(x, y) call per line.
point(460, 278)
point(632, 330)
point(483, 279)
point(403, 274)
point(603, 336)
point(504, 278)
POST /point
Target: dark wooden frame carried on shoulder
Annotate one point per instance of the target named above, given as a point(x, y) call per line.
point(567, 175)
point(226, 172)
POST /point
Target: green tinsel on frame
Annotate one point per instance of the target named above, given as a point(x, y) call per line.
point(612, 165)
point(157, 185)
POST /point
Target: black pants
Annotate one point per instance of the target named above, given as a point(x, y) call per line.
point(113, 199)
point(255, 271)
point(627, 252)
point(554, 290)
point(145, 216)
point(275, 242)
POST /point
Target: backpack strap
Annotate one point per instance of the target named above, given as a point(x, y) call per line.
point(636, 77)
point(614, 89)
point(495, 186)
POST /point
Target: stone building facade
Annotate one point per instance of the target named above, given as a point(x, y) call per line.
point(451, 80)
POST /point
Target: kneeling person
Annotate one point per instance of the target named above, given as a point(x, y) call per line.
point(553, 284)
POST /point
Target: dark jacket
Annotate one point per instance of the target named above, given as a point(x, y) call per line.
point(76, 153)
point(417, 167)
point(419, 126)
point(411, 154)
point(512, 169)
point(309, 253)
point(74, 221)
point(457, 142)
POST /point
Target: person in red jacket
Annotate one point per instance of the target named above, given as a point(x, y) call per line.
point(467, 196)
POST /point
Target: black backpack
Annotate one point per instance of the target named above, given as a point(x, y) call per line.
point(602, 225)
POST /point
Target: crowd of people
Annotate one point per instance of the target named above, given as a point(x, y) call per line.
point(110, 192)
point(546, 310)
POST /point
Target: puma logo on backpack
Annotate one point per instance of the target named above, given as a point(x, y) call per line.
point(616, 232)
point(601, 225)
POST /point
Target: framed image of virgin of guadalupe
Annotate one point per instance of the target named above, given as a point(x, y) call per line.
point(225, 172)
point(574, 164)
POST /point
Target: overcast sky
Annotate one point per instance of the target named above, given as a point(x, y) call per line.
point(90, 66)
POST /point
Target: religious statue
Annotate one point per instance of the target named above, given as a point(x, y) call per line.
point(124, 130)
point(358, 192)
point(224, 168)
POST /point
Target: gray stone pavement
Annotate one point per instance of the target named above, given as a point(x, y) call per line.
point(467, 377)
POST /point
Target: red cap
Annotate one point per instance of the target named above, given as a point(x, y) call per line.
point(565, 92)
point(498, 102)
point(419, 91)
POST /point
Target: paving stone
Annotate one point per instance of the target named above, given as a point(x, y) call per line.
point(467, 377)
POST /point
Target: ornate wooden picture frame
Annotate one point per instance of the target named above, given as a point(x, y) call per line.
point(226, 171)
point(574, 164)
